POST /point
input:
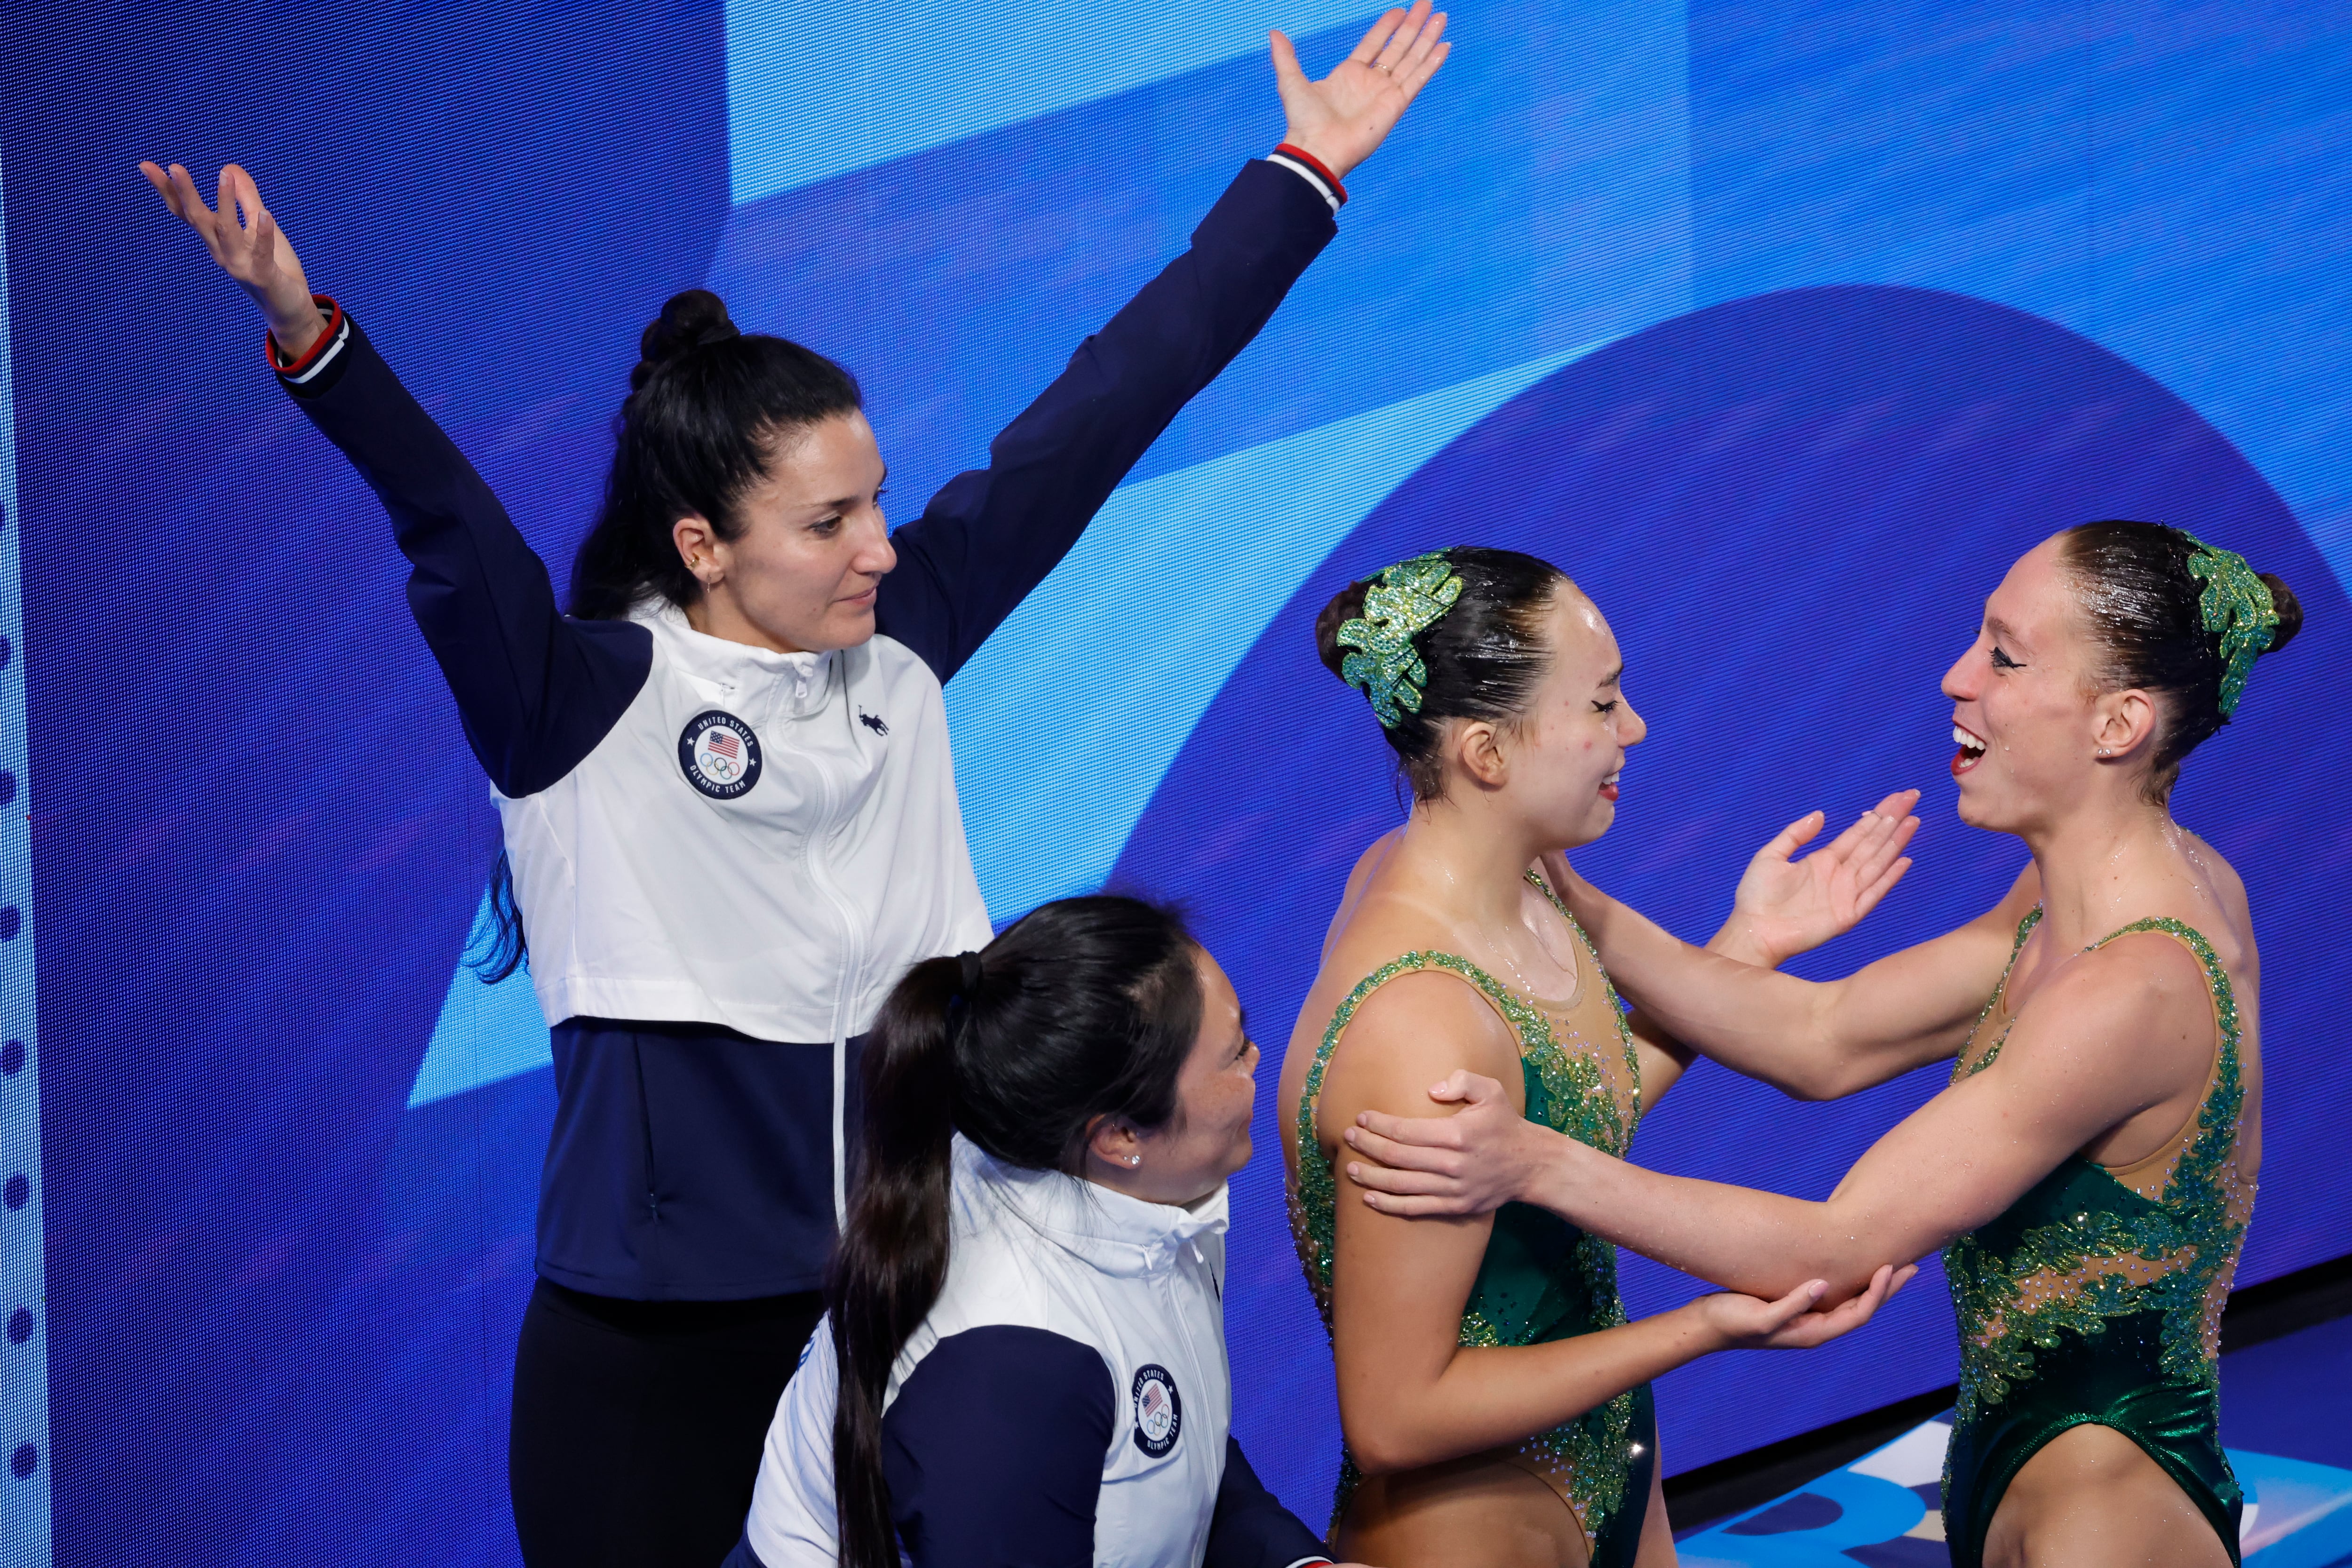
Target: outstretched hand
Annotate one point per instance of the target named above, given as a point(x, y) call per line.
point(1785, 907)
point(1743, 1323)
point(254, 251)
point(1341, 118)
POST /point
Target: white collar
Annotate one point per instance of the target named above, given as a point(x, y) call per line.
point(1109, 1230)
point(800, 682)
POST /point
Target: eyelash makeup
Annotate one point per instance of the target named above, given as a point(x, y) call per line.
point(2002, 661)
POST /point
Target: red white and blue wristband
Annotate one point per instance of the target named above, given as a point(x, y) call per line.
point(1310, 168)
point(336, 332)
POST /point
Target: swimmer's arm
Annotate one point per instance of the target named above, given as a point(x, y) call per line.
point(1815, 1041)
point(2112, 1034)
point(1409, 1394)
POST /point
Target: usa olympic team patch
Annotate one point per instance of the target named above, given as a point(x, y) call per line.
point(719, 753)
point(1158, 1413)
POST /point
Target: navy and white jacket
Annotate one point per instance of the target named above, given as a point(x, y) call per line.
point(1064, 1404)
point(718, 850)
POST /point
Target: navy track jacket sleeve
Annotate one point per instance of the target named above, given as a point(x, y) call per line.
point(994, 1451)
point(1251, 1529)
point(536, 690)
point(992, 535)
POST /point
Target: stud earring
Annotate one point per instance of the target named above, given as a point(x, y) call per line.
point(1135, 1159)
point(2103, 751)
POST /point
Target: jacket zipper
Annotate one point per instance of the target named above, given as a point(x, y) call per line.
point(819, 873)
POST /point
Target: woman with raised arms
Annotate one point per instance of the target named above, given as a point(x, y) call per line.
point(726, 787)
point(2090, 1169)
point(1495, 1400)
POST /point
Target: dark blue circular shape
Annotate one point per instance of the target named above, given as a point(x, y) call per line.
point(7, 787)
point(25, 1460)
point(718, 755)
point(20, 1325)
point(12, 1057)
point(1159, 1410)
point(17, 1190)
point(11, 922)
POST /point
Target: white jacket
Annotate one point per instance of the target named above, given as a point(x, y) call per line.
point(1138, 1282)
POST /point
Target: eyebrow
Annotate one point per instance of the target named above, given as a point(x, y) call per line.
point(1615, 677)
point(843, 504)
point(2001, 629)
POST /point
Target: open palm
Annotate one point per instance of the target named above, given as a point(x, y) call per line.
point(1343, 116)
point(1788, 907)
point(255, 251)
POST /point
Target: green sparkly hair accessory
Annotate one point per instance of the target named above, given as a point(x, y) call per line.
point(2237, 608)
point(1407, 599)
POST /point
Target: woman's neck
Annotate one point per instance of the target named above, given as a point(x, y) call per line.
point(2102, 869)
point(1467, 863)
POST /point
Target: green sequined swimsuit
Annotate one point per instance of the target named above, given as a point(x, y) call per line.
point(1541, 1279)
point(2090, 1303)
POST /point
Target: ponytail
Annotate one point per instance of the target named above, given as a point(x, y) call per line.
point(893, 1256)
point(1084, 1008)
point(503, 949)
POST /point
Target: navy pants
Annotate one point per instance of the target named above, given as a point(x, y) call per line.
point(639, 1426)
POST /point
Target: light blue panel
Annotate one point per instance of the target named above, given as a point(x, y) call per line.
point(485, 1032)
point(818, 89)
point(23, 1303)
point(2298, 1514)
point(2164, 177)
point(1122, 648)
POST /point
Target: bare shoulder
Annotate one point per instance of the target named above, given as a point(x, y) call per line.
point(1410, 1034)
point(1368, 864)
point(2235, 942)
point(2121, 1027)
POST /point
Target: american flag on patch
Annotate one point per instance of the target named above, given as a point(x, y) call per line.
point(724, 742)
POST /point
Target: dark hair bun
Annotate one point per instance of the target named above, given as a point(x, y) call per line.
point(687, 322)
point(2289, 608)
point(1346, 606)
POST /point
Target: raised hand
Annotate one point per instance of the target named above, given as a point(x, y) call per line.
point(1785, 907)
point(1343, 116)
point(254, 251)
point(1743, 1323)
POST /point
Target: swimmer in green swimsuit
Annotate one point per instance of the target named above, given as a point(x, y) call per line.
point(2090, 1169)
point(1495, 1400)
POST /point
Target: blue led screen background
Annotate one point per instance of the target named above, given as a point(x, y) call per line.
point(1784, 329)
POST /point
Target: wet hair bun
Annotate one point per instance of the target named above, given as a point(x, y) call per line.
point(687, 322)
point(1481, 659)
point(1346, 606)
point(2289, 608)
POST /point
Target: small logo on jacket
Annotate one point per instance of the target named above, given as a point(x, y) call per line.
point(718, 755)
point(872, 721)
point(1158, 1413)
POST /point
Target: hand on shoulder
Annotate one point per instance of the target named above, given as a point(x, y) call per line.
point(1412, 1031)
